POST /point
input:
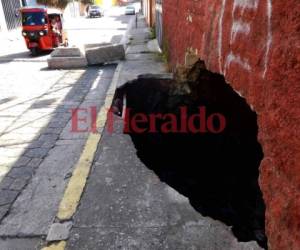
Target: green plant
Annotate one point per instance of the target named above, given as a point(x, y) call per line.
point(153, 32)
point(165, 50)
point(54, 3)
point(87, 1)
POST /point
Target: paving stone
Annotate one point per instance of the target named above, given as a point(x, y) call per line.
point(7, 196)
point(21, 243)
point(58, 124)
point(18, 184)
point(6, 182)
point(59, 231)
point(3, 211)
point(35, 144)
point(37, 152)
point(64, 116)
point(24, 172)
point(48, 144)
point(35, 162)
point(55, 131)
point(47, 137)
point(22, 161)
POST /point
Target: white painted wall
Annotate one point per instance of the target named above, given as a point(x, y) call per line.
point(72, 10)
point(3, 26)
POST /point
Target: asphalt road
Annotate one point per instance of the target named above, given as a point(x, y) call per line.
point(81, 30)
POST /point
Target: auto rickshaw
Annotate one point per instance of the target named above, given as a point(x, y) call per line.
point(43, 29)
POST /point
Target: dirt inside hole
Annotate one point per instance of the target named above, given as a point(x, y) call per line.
point(218, 172)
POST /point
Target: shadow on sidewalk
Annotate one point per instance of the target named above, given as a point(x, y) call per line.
point(24, 56)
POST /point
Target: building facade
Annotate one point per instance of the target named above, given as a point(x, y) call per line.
point(9, 14)
point(153, 12)
point(149, 11)
point(253, 45)
point(159, 22)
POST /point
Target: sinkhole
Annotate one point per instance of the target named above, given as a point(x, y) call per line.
point(217, 168)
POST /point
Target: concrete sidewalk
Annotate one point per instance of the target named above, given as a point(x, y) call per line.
point(125, 205)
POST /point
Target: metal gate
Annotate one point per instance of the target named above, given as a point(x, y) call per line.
point(12, 17)
point(159, 22)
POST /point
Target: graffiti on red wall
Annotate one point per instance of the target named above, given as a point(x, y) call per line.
point(242, 26)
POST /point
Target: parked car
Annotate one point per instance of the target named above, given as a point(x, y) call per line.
point(130, 10)
point(95, 11)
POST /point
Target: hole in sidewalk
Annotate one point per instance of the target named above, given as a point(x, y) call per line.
point(218, 172)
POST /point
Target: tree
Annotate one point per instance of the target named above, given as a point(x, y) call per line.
point(87, 1)
point(54, 3)
point(61, 3)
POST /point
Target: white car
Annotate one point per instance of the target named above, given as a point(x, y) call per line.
point(130, 10)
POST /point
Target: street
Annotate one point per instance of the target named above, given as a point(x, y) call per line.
point(26, 84)
point(82, 30)
point(37, 148)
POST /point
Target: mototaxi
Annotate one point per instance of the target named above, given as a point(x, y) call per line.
point(42, 29)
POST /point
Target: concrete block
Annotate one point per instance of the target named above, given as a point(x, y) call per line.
point(95, 45)
point(106, 53)
point(66, 52)
point(67, 58)
point(67, 62)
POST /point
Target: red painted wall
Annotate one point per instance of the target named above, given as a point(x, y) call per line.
point(255, 44)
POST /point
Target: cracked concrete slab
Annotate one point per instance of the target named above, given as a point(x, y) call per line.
point(21, 244)
point(126, 206)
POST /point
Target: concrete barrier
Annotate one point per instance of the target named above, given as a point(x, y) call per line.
point(99, 53)
point(67, 58)
point(66, 52)
point(67, 62)
point(104, 53)
point(95, 45)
